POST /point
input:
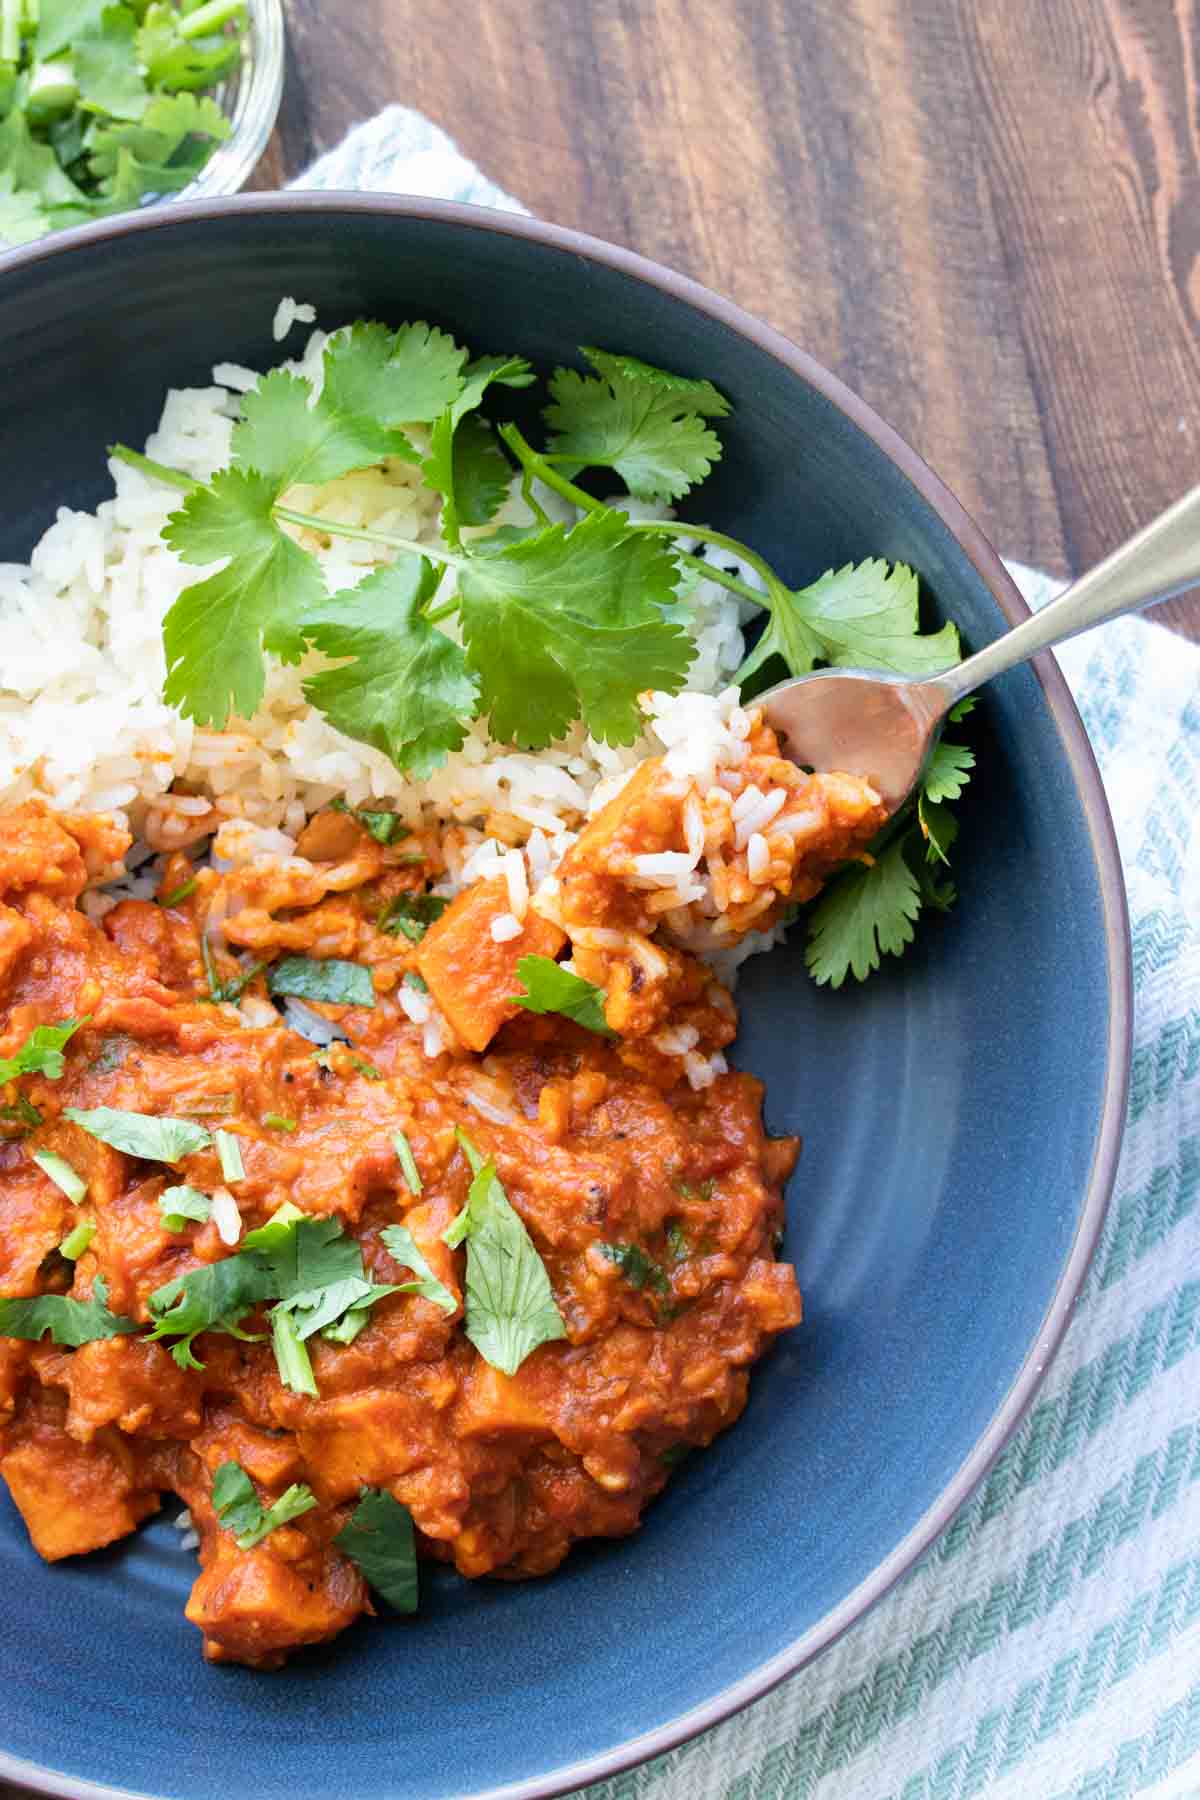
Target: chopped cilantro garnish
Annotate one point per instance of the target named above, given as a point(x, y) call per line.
point(179, 1204)
point(408, 1162)
point(229, 1155)
point(60, 1172)
point(309, 1267)
point(412, 914)
point(551, 988)
point(42, 1052)
point(92, 120)
point(238, 1507)
point(140, 1134)
point(384, 827)
point(69, 1322)
point(510, 1307)
point(380, 1542)
point(277, 1122)
point(21, 1112)
point(331, 980)
point(402, 1246)
point(220, 991)
point(415, 981)
point(366, 1069)
point(291, 1357)
point(638, 1269)
point(77, 1241)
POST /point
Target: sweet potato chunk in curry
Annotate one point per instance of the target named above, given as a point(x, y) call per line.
point(599, 1143)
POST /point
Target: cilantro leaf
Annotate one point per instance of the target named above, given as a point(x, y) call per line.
point(407, 690)
point(42, 1051)
point(570, 623)
point(69, 1322)
point(304, 1253)
point(866, 913)
point(179, 1204)
point(106, 66)
point(948, 771)
point(861, 616)
point(384, 827)
point(329, 979)
point(403, 1247)
point(22, 218)
point(380, 1542)
point(638, 1269)
point(168, 146)
point(216, 1297)
point(701, 396)
point(467, 466)
point(174, 61)
point(141, 1134)
point(551, 988)
point(642, 422)
point(510, 1307)
point(412, 915)
point(32, 166)
point(216, 631)
point(61, 22)
point(238, 1507)
point(374, 381)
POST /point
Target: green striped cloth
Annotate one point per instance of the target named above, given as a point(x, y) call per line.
point(1047, 1647)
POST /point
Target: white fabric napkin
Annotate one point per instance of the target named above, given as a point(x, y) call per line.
point(1047, 1647)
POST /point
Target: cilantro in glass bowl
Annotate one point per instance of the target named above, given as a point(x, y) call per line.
point(105, 108)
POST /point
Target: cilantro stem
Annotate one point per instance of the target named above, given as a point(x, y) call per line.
point(707, 535)
point(210, 18)
point(10, 30)
point(534, 464)
point(334, 528)
point(156, 470)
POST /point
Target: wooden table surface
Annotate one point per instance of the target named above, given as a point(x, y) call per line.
point(983, 214)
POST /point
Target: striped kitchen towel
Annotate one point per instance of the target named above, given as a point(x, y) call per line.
point(1047, 1646)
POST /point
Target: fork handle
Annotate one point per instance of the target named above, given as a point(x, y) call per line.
point(1161, 560)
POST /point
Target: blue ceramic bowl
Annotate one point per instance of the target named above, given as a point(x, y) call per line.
point(960, 1113)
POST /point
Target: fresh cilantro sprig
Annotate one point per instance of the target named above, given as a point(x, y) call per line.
point(870, 910)
point(533, 627)
point(312, 1271)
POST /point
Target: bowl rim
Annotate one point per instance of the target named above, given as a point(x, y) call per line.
point(1088, 785)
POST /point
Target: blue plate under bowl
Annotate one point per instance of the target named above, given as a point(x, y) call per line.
point(960, 1113)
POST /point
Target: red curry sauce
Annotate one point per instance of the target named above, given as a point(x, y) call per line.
point(595, 1141)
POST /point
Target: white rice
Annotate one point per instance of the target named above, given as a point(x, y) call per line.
point(84, 726)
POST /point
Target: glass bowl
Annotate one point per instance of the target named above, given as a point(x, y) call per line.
point(249, 97)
